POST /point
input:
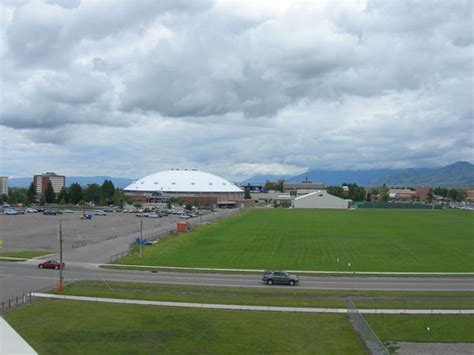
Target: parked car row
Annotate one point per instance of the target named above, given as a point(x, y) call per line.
point(47, 212)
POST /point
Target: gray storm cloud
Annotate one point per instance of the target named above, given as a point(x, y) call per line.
point(379, 83)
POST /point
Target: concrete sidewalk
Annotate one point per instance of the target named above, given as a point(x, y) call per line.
point(254, 308)
point(11, 342)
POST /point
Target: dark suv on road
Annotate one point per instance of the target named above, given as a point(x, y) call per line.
point(279, 277)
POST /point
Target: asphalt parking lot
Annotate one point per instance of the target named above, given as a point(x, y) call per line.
point(38, 232)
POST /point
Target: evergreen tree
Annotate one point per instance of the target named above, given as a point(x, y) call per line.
point(75, 193)
point(247, 192)
point(4, 198)
point(31, 194)
point(108, 190)
point(49, 194)
point(93, 193)
point(63, 196)
point(118, 198)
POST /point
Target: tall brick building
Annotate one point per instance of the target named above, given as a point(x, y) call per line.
point(41, 182)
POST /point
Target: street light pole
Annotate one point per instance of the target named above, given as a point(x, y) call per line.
point(61, 278)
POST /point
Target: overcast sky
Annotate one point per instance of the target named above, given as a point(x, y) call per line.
point(128, 88)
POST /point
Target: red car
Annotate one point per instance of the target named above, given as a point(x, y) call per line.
point(51, 264)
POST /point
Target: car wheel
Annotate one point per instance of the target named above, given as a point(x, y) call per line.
point(270, 282)
point(56, 267)
point(292, 282)
point(40, 266)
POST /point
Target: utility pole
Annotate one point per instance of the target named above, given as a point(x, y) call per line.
point(141, 233)
point(61, 278)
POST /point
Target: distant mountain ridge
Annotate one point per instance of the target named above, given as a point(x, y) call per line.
point(260, 179)
point(81, 180)
point(458, 174)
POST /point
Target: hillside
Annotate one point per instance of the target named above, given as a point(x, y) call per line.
point(455, 175)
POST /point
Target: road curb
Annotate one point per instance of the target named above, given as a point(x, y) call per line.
point(401, 273)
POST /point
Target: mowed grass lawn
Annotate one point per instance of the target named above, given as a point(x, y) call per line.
point(371, 240)
point(442, 329)
point(62, 327)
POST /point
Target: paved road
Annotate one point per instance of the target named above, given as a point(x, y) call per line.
point(26, 275)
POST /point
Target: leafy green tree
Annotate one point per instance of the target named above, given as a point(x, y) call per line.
point(93, 193)
point(17, 195)
point(356, 192)
point(336, 191)
point(75, 193)
point(454, 195)
point(63, 196)
point(49, 194)
point(247, 192)
point(108, 190)
point(274, 185)
point(4, 198)
point(117, 198)
point(188, 207)
point(42, 200)
point(31, 194)
point(430, 196)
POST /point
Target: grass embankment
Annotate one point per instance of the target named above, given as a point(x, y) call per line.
point(370, 240)
point(291, 297)
point(53, 327)
point(442, 329)
point(24, 254)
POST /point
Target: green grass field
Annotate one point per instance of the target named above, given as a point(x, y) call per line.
point(442, 329)
point(371, 240)
point(61, 327)
point(289, 297)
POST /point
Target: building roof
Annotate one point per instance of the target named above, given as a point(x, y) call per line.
point(183, 180)
point(321, 193)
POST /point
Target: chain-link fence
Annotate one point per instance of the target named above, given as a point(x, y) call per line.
point(372, 342)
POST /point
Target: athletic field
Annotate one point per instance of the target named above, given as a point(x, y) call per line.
point(349, 240)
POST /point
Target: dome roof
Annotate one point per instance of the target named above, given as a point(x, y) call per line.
point(184, 180)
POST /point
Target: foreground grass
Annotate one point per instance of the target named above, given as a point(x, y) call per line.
point(54, 327)
point(24, 254)
point(271, 296)
point(442, 329)
point(370, 240)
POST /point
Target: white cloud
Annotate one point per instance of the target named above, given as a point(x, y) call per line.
point(235, 88)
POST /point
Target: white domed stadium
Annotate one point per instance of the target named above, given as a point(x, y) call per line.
point(190, 185)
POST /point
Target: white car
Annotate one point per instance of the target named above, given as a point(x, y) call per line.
point(68, 211)
point(31, 210)
point(99, 213)
point(184, 216)
point(10, 212)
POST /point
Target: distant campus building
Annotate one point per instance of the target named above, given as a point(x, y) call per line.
point(41, 182)
point(3, 185)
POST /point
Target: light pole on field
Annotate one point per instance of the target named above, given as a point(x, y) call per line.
point(141, 233)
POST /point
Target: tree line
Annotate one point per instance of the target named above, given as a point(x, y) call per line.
point(104, 194)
